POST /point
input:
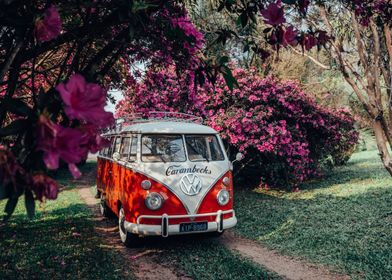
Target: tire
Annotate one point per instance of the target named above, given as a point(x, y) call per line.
point(103, 208)
point(127, 238)
point(216, 234)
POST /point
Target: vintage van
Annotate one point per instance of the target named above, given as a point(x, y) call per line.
point(166, 175)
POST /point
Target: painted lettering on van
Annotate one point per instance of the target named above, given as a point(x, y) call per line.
point(177, 169)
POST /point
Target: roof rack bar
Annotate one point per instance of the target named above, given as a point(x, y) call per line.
point(152, 116)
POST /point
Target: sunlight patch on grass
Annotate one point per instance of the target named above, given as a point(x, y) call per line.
point(342, 182)
point(284, 227)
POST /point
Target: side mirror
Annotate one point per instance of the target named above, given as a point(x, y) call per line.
point(238, 157)
point(116, 156)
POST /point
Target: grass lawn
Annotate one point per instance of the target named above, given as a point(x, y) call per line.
point(343, 220)
point(59, 244)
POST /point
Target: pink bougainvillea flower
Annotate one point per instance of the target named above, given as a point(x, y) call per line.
point(290, 36)
point(309, 41)
point(322, 37)
point(49, 27)
point(187, 27)
point(93, 138)
point(85, 101)
point(44, 187)
point(57, 142)
point(273, 14)
point(9, 167)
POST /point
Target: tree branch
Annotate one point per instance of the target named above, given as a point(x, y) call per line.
point(325, 67)
point(10, 59)
point(360, 43)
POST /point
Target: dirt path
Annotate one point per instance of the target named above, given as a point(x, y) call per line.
point(141, 260)
point(145, 266)
point(285, 266)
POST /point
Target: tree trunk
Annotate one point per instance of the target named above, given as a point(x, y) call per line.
point(382, 145)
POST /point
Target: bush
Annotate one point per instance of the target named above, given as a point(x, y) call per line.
point(282, 131)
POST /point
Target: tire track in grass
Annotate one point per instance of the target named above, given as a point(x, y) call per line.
point(141, 261)
point(287, 267)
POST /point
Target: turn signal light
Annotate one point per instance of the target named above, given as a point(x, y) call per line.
point(146, 184)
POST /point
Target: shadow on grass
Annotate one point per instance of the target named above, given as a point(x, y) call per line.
point(59, 245)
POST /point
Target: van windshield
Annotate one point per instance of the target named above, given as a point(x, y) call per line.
point(165, 148)
point(203, 147)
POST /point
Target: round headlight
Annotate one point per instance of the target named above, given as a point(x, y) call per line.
point(223, 197)
point(226, 181)
point(154, 201)
point(146, 184)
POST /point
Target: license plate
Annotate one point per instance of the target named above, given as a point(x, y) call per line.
point(195, 226)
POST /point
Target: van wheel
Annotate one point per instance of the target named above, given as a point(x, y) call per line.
point(103, 208)
point(127, 238)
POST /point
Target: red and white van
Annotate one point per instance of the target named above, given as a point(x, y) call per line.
point(164, 176)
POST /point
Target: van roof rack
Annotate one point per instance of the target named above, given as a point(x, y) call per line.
point(152, 116)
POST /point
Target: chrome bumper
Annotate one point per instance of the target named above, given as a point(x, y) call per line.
point(165, 229)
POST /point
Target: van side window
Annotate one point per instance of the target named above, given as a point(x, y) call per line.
point(110, 148)
point(124, 150)
point(132, 154)
point(117, 144)
point(103, 152)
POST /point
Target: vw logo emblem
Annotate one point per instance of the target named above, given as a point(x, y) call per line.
point(190, 184)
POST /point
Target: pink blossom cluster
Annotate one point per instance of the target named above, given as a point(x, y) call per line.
point(195, 39)
point(48, 27)
point(83, 103)
point(282, 131)
point(281, 34)
point(366, 9)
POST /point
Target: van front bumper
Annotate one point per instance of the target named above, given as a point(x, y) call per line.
point(165, 229)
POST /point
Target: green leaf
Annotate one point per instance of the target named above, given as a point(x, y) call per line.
point(246, 48)
point(10, 207)
point(229, 78)
point(141, 5)
point(14, 128)
point(289, 2)
point(223, 60)
point(221, 6)
point(30, 204)
point(244, 19)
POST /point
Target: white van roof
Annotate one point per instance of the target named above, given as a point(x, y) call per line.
point(171, 127)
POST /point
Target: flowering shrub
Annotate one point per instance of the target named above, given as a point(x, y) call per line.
point(282, 131)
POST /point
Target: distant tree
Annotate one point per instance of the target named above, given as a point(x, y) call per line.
point(356, 34)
